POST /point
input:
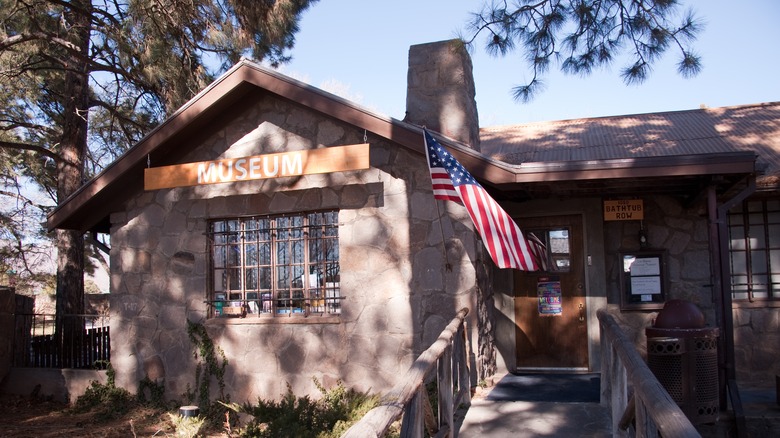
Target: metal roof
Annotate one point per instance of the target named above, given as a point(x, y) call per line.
point(747, 128)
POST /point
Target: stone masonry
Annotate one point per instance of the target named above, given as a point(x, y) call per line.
point(398, 295)
point(684, 233)
point(440, 91)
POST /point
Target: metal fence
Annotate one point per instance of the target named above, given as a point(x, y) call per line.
point(81, 342)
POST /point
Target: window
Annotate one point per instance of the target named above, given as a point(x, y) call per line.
point(275, 265)
point(551, 248)
point(754, 239)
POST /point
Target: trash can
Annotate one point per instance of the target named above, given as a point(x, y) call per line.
point(683, 355)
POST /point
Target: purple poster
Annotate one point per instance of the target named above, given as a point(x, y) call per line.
point(549, 291)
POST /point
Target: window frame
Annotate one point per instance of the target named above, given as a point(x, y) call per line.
point(554, 258)
point(749, 233)
point(257, 266)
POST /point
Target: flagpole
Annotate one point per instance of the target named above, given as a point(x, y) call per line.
point(447, 264)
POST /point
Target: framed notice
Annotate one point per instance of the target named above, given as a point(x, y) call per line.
point(642, 280)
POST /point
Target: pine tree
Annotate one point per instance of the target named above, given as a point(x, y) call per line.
point(83, 80)
point(582, 35)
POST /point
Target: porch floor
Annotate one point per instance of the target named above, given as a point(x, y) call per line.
point(564, 405)
point(539, 405)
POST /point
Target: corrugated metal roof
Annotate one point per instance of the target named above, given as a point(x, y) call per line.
point(704, 131)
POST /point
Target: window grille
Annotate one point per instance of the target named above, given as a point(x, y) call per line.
point(275, 265)
point(754, 249)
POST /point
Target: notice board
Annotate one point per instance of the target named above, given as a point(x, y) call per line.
point(643, 279)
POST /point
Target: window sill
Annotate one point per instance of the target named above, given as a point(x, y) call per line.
point(281, 319)
point(755, 304)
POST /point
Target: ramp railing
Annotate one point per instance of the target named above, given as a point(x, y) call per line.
point(650, 408)
point(409, 397)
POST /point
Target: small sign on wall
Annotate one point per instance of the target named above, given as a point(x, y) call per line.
point(624, 210)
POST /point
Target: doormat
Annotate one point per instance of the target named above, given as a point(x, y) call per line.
point(560, 388)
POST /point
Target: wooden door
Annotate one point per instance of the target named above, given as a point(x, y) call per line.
point(550, 313)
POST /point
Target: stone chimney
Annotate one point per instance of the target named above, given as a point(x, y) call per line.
point(440, 91)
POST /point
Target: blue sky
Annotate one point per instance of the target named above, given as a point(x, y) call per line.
point(358, 49)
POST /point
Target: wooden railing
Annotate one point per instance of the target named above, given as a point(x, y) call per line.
point(650, 407)
point(409, 396)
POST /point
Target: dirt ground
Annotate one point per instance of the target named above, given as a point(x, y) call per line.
point(27, 417)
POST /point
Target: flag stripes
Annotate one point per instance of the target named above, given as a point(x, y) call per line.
point(539, 251)
point(502, 237)
point(442, 186)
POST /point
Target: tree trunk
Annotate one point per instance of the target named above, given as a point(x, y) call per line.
point(486, 343)
point(70, 175)
point(70, 294)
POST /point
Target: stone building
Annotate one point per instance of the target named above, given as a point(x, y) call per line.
point(301, 230)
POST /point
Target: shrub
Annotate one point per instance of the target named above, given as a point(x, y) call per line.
point(328, 416)
point(106, 400)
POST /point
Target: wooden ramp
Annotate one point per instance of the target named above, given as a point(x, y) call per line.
point(505, 410)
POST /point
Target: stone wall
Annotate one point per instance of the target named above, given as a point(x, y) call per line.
point(756, 341)
point(684, 234)
point(398, 295)
point(62, 385)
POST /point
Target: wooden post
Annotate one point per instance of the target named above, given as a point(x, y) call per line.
point(666, 417)
point(446, 417)
point(464, 377)
point(619, 385)
point(606, 368)
point(414, 417)
point(645, 427)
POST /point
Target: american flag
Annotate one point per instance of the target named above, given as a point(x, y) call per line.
point(501, 236)
point(539, 250)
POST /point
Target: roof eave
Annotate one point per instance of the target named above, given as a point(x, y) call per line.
point(681, 165)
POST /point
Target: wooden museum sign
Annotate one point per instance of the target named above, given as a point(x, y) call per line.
point(294, 163)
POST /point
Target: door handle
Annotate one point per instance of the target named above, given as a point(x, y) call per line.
point(582, 312)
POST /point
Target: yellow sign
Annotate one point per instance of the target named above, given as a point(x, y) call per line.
point(295, 163)
point(624, 210)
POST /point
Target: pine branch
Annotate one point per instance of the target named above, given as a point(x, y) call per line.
point(22, 38)
point(30, 147)
point(591, 32)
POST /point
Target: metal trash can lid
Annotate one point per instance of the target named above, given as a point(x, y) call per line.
point(679, 314)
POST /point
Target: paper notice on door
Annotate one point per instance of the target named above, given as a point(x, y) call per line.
point(549, 292)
